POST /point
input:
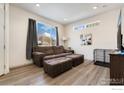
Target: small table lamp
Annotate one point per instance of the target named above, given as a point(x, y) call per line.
point(64, 39)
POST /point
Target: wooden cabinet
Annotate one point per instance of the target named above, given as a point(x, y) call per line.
point(116, 69)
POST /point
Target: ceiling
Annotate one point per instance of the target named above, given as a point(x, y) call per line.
point(66, 13)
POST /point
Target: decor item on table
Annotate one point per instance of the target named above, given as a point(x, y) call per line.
point(64, 39)
point(31, 38)
point(69, 48)
point(86, 39)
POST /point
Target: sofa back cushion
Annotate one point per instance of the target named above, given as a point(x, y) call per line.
point(48, 50)
point(58, 49)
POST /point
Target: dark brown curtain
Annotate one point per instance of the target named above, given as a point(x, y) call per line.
point(31, 38)
point(57, 37)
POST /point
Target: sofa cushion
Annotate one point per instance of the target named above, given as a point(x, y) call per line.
point(56, 56)
point(57, 61)
point(58, 49)
point(48, 50)
point(77, 59)
point(63, 54)
point(49, 57)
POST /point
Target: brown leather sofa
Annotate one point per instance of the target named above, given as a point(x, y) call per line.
point(55, 59)
point(41, 53)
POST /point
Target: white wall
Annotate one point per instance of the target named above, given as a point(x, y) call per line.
point(18, 34)
point(103, 35)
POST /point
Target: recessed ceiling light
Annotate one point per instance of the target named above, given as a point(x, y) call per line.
point(95, 7)
point(65, 19)
point(37, 5)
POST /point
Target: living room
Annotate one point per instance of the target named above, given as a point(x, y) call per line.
point(106, 29)
point(70, 36)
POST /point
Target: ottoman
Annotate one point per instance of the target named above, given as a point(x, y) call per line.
point(76, 59)
point(56, 66)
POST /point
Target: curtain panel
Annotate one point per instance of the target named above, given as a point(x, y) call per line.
point(31, 38)
point(57, 37)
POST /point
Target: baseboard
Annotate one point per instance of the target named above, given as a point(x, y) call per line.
point(89, 60)
point(21, 66)
point(104, 64)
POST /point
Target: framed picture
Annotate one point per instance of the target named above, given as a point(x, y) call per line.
point(86, 39)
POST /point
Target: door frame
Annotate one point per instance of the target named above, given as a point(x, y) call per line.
point(6, 39)
point(2, 39)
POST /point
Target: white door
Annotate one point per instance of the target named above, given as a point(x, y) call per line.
point(2, 39)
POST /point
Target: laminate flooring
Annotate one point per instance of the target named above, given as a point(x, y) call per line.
point(85, 74)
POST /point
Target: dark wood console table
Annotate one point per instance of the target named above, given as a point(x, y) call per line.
point(117, 69)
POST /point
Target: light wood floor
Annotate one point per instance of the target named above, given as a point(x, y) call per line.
point(84, 74)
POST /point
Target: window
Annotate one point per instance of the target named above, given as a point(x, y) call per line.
point(84, 26)
point(47, 35)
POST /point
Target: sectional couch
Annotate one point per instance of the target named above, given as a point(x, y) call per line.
point(55, 59)
point(41, 53)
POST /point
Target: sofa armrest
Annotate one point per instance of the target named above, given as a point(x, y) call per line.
point(68, 51)
point(38, 58)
